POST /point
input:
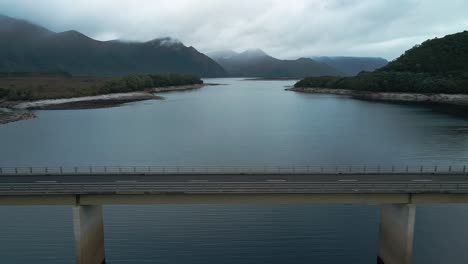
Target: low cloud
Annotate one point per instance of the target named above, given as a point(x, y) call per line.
point(286, 29)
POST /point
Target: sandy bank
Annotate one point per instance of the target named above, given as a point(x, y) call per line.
point(87, 102)
point(453, 99)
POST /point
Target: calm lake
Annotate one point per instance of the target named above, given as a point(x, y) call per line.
point(240, 123)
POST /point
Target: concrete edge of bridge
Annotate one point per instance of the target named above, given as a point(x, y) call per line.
point(226, 198)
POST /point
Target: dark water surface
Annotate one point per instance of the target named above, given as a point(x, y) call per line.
point(243, 123)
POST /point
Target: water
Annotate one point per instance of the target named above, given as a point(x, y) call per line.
point(243, 123)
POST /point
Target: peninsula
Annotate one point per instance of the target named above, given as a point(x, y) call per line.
point(434, 72)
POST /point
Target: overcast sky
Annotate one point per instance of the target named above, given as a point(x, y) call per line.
point(283, 28)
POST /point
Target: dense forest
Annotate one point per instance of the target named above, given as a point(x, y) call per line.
point(435, 66)
point(36, 88)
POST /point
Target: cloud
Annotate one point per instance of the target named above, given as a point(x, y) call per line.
point(286, 29)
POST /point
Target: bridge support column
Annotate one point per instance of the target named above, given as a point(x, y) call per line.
point(89, 234)
point(396, 234)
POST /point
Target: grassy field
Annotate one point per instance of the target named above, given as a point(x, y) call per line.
point(46, 87)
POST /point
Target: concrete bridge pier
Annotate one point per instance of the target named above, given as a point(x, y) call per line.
point(396, 234)
point(88, 227)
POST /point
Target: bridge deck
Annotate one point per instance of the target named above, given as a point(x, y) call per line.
point(20, 182)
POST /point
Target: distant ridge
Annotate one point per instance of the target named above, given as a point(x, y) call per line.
point(257, 63)
point(353, 65)
point(26, 47)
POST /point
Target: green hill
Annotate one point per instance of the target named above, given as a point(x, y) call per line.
point(444, 56)
point(436, 66)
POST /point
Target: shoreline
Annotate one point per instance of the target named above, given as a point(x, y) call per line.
point(449, 99)
point(12, 111)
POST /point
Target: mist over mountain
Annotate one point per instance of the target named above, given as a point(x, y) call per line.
point(257, 63)
point(353, 65)
point(25, 47)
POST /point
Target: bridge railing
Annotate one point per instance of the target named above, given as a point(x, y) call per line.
point(151, 170)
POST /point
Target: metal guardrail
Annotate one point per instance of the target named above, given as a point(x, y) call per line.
point(154, 170)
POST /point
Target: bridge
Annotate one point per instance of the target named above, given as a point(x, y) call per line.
point(398, 189)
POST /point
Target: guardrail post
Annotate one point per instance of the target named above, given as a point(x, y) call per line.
point(450, 168)
point(407, 168)
point(61, 170)
point(45, 169)
point(16, 170)
point(105, 169)
point(76, 170)
point(421, 169)
point(134, 169)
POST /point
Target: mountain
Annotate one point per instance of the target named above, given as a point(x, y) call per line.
point(25, 47)
point(256, 63)
point(438, 65)
point(353, 65)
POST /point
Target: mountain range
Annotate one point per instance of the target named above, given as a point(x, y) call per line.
point(256, 63)
point(26, 47)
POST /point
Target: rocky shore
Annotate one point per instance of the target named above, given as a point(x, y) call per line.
point(8, 116)
point(452, 99)
point(21, 110)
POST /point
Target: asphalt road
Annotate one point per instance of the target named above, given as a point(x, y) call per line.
point(233, 183)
